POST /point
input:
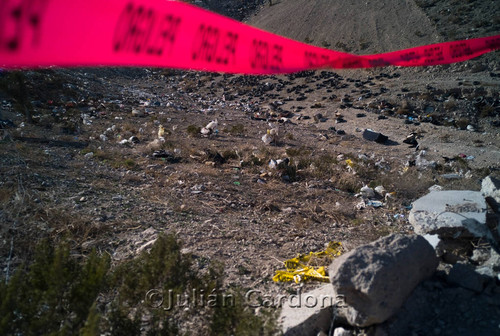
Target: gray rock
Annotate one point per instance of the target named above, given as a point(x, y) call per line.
point(450, 213)
point(490, 186)
point(494, 261)
point(465, 276)
point(308, 313)
point(375, 279)
point(480, 255)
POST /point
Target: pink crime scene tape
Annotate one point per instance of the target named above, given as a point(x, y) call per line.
point(161, 33)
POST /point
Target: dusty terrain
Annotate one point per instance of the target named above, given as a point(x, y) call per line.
point(217, 192)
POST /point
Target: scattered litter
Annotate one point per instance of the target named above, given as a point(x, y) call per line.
point(210, 128)
point(380, 190)
point(319, 118)
point(435, 188)
point(137, 113)
point(375, 204)
point(451, 176)
point(197, 189)
point(411, 140)
point(237, 183)
point(161, 131)
point(371, 135)
point(133, 139)
point(361, 205)
point(165, 156)
point(367, 192)
point(423, 163)
point(309, 266)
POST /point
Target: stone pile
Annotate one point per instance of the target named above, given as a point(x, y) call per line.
point(416, 284)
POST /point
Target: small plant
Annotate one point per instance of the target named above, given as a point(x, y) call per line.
point(238, 129)
point(14, 84)
point(364, 45)
point(230, 155)
point(308, 40)
point(462, 123)
point(54, 294)
point(297, 151)
point(129, 163)
point(486, 111)
point(193, 130)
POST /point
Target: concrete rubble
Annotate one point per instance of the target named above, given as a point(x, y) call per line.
point(450, 212)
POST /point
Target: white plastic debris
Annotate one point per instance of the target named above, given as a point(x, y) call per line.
point(380, 190)
point(367, 192)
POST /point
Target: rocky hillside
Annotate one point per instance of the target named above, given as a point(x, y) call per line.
point(366, 27)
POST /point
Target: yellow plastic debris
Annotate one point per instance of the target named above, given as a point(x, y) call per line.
point(302, 268)
point(349, 163)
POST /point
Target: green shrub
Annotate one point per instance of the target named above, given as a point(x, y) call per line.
point(54, 294)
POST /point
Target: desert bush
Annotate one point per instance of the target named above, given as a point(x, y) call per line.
point(193, 130)
point(59, 295)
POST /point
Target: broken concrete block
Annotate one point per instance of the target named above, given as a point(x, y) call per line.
point(375, 279)
point(308, 313)
point(450, 213)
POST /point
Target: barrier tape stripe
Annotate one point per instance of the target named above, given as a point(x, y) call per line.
point(162, 33)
